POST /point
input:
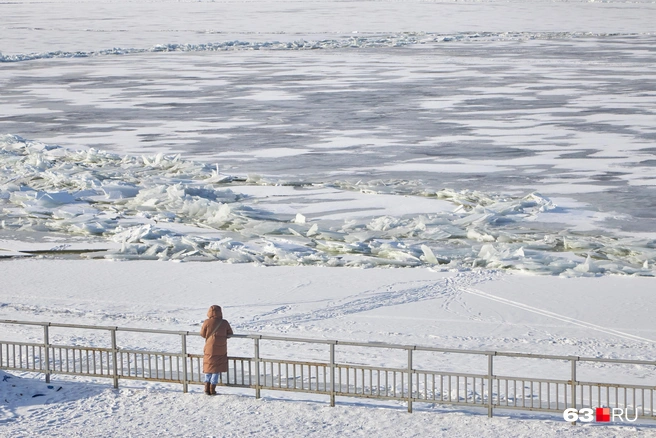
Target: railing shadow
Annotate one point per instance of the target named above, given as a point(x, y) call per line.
point(20, 392)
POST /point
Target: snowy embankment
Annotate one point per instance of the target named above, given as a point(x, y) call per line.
point(475, 310)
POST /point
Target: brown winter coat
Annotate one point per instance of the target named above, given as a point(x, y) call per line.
point(215, 330)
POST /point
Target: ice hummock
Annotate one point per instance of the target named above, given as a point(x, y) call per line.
point(346, 42)
point(165, 208)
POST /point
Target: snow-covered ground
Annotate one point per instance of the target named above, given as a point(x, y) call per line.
point(93, 410)
point(353, 170)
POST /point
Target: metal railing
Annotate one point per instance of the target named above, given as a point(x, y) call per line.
point(407, 383)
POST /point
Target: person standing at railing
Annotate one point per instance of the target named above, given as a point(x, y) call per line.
point(215, 330)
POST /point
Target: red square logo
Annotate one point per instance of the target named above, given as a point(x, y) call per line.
point(603, 414)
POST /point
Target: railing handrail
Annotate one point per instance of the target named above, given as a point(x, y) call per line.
point(341, 343)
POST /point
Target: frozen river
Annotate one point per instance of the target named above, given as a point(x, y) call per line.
point(487, 133)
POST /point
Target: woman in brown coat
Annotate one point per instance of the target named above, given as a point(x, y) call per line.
point(215, 330)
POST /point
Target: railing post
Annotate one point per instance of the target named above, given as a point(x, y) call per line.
point(490, 393)
point(257, 367)
point(410, 379)
point(332, 374)
point(185, 384)
point(46, 344)
point(574, 384)
point(114, 358)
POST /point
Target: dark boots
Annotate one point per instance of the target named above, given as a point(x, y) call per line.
point(210, 389)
